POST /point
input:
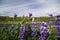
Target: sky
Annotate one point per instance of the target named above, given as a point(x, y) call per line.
point(24, 7)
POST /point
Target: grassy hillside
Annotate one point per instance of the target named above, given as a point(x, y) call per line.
point(9, 20)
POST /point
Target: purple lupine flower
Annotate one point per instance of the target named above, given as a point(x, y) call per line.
point(50, 16)
point(21, 35)
point(30, 18)
point(41, 38)
point(57, 24)
point(42, 28)
point(44, 24)
point(57, 27)
point(30, 14)
point(58, 33)
point(44, 33)
point(34, 25)
point(57, 18)
point(15, 16)
point(23, 29)
point(58, 30)
point(33, 33)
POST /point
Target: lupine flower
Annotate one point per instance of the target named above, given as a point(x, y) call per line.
point(43, 26)
point(44, 29)
point(30, 18)
point(58, 33)
point(33, 33)
point(44, 33)
point(57, 24)
point(15, 16)
point(34, 25)
point(57, 27)
point(23, 29)
point(58, 30)
point(30, 14)
point(21, 35)
point(42, 23)
point(41, 38)
point(50, 15)
point(57, 18)
point(23, 32)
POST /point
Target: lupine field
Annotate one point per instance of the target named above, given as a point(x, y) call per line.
point(30, 28)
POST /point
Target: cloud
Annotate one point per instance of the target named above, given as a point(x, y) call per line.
point(23, 7)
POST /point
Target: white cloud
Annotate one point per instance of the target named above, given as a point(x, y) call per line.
point(38, 8)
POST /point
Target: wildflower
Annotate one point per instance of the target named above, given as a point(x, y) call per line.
point(41, 38)
point(33, 33)
point(44, 24)
point(30, 14)
point(34, 24)
point(58, 33)
point(43, 27)
point(30, 18)
point(23, 29)
point(21, 36)
point(50, 15)
point(15, 16)
point(57, 24)
point(44, 33)
point(57, 27)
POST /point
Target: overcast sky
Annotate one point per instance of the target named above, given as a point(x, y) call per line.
point(24, 7)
